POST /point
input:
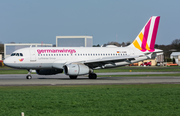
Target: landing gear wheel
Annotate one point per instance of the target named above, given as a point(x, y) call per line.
point(28, 77)
point(92, 76)
point(73, 77)
point(29, 74)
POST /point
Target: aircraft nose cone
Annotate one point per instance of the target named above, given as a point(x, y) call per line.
point(5, 62)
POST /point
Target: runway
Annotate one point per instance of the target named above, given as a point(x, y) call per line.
point(61, 79)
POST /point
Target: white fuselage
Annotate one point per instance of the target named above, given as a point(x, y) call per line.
point(57, 57)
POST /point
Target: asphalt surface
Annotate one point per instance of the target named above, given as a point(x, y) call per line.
point(61, 79)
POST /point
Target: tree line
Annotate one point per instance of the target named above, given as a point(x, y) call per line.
point(123, 44)
point(1, 47)
point(168, 49)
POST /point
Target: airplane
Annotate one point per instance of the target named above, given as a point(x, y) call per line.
point(76, 61)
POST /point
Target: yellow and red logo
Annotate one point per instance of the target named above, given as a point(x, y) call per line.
point(21, 59)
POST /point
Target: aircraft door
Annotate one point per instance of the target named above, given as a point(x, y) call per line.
point(131, 52)
point(32, 55)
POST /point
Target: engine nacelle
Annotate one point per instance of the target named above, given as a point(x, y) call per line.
point(76, 69)
point(49, 71)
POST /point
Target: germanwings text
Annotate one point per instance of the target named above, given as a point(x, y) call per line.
point(56, 51)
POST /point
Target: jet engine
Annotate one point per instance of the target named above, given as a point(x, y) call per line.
point(49, 71)
point(76, 69)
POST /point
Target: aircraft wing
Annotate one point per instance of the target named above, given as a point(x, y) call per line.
point(108, 60)
point(96, 62)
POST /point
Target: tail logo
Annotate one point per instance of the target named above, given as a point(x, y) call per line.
point(147, 37)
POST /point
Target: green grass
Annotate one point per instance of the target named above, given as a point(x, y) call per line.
point(140, 75)
point(6, 70)
point(140, 69)
point(89, 100)
point(13, 71)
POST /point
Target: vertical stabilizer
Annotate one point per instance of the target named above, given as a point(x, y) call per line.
point(147, 37)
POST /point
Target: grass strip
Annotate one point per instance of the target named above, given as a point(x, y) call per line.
point(13, 71)
point(102, 100)
point(139, 75)
point(140, 69)
point(118, 69)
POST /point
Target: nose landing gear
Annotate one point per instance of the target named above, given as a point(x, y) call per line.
point(29, 74)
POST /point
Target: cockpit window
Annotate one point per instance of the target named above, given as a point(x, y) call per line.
point(13, 54)
point(16, 54)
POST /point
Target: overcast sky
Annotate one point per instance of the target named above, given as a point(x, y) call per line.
point(36, 21)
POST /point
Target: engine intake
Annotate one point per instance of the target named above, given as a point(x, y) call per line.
point(76, 69)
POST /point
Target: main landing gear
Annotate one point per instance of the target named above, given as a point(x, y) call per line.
point(29, 74)
point(92, 76)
